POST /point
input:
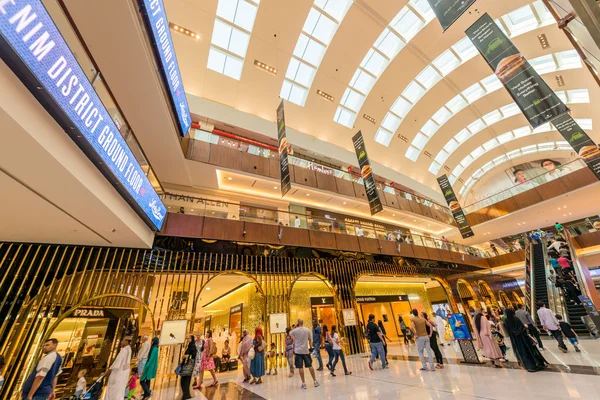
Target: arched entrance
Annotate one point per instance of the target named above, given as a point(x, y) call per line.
point(467, 295)
point(518, 299)
point(505, 300)
point(313, 299)
point(487, 294)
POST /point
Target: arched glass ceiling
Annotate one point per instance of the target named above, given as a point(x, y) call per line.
point(568, 97)
point(585, 123)
point(406, 24)
point(523, 151)
point(514, 23)
point(231, 36)
point(544, 64)
point(320, 26)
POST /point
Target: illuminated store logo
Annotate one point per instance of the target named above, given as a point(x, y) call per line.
point(88, 312)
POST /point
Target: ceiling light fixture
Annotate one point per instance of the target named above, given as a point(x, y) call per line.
point(543, 41)
point(265, 67)
point(229, 178)
point(560, 80)
point(207, 288)
point(275, 187)
point(403, 138)
point(369, 118)
point(344, 202)
point(324, 95)
point(186, 32)
point(308, 194)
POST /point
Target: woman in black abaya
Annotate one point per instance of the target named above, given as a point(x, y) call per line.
point(526, 352)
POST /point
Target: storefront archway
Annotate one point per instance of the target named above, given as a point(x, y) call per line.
point(505, 300)
point(488, 295)
point(468, 297)
point(313, 298)
point(518, 299)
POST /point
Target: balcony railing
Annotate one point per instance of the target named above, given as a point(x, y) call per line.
point(285, 219)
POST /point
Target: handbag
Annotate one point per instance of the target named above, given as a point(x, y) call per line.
point(251, 354)
point(185, 368)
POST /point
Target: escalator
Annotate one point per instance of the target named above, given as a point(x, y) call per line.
point(540, 287)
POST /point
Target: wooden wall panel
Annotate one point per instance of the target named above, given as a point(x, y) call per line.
point(588, 239)
point(295, 237)
point(391, 200)
point(199, 150)
point(389, 247)
point(322, 240)
point(415, 207)
point(368, 245)
point(382, 197)
point(344, 187)
point(551, 189)
point(224, 157)
point(420, 252)
point(434, 254)
point(304, 176)
point(261, 233)
point(255, 164)
point(326, 182)
point(426, 211)
point(406, 250)
point(359, 191)
point(578, 179)
point(224, 229)
point(506, 206)
point(445, 255)
point(404, 203)
point(274, 171)
point(527, 199)
point(347, 242)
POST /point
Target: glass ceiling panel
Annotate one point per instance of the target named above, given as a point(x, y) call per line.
point(389, 44)
point(441, 116)
point(446, 62)
point(407, 24)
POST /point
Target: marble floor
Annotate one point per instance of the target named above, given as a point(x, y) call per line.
point(404, 380)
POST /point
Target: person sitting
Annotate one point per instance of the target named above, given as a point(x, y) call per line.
point(226, 352)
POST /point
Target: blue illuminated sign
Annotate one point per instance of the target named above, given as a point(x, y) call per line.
point(36, 51)
point(156, 20)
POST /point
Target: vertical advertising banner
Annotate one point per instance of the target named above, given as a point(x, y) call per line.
point(160, 36)
point(448, 11)
point(367, 173)
point(284, 166)
point(528, 276)
point(580, 141)
point(533, 96)
point(457, 212)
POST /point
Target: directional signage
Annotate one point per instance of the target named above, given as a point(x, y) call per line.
point(32, 46)
point(158, 28)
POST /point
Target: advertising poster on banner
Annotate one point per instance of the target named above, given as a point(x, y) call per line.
point(284, 166)
point(534, 97)
point(33, 47)
point(583, 145)
point(527, 276)
point(157, 23)
point(459, 327)
point(455, 208)
point(173, 332)
point(448, 11)
point(367, 173)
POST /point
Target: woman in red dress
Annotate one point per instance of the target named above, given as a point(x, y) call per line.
point(208, 363)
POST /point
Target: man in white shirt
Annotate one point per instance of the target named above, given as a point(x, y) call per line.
point(143, 354)
point(550, 324)
point(440, 328)
point(302, 343)
point(41, 382)
point(360, 232)
point(118, 373)
point(297, 222)
point(555, 245)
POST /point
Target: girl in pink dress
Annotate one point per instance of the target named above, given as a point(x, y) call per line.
point(486, 341)
point(208, 363)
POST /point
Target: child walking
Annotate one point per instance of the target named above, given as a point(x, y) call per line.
point(568, 331)
point(272, 360)
point(132, 384)
point(81, 384)
point(499, 337)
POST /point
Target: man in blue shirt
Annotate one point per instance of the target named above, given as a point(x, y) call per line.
point(41, 382)
point(317, 344)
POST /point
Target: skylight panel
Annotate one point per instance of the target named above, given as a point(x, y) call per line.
point(309, 50)
point(543, 64)
point(522, 132)
point(412, 153)
point(430, 128)
point(389, 43)
point(477, 152)
point(452, 179)
point(294, 93)
point(520, 20)
point(434, 168)
point(362, 81)
point(456, 104)
point(374, 62)
point(465, 162)
point(319, 26)
point(476, 175)
point(492, 117)
point(543, 14)
point(463, 135)
point(458, 170)
point(543, 128)
point(451, 146)
point(401, 107)
point(473, 93)
point(529, 149)
point(428, 77)
point(420, 141)
point(563, 146)
point(391, 122)
point(500, 159)
point(229, 38)
point(513, 154)
point(300, 72)
point(510, 109)
point(441, 116)
point(335, 8)
point(465, 49)
point(446, 62)
point(423, 8)
point(413, 92)
point(562, 95)
point(442, 156)
point(225, 64)
point(491, 144)
point(407, 24)
point(384, 137)
point(568, 59)
point(578, 96)
point(505, 137)
point(476, 126)
point(584, 123)
point(488, 166)
point(239, 12)
point(491, 83)
point(352, 100)
point(345, 117)
point(546, 146)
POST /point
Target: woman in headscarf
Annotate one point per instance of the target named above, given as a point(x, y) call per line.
point(207, 363)
point(257, 365)
point(527, 354)
point(486, 341)
point(289, 349)
point(186, 381)
point(150, 368)
point(243, 349)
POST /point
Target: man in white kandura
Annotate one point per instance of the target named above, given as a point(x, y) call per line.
point(441, 328)
point(118, 373)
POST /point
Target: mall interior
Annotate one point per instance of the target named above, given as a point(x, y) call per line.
point(209, 167)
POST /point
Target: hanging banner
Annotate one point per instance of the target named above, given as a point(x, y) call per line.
point(457, 212)
point(33, 47)
point(367, 173)
point(533, 96)
point(284, 166)
point(448, 11)
point(580, 141)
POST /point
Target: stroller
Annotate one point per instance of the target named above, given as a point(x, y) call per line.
point(95, 391)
